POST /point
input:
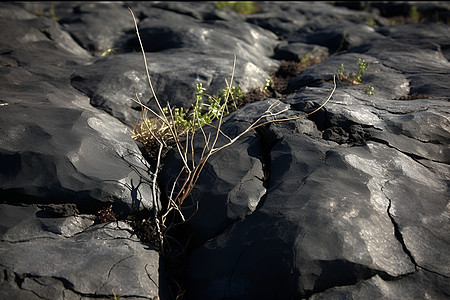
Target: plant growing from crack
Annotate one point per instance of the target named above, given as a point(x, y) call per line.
point(352, 77)
point(355, 78)
point(175, 128)
point(369, 90)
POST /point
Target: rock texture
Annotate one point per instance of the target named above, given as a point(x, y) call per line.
point(66, 257)
point(349, 203)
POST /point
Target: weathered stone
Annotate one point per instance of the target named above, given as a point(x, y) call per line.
point(350, 202)
point(107, 22)
point(40, 35)
point(299, 51)
point(70, 163)
point(248, 42)
point(418, 285)
point(15, 13)
point(103, 258)
point(112, 82)
point(309, 234)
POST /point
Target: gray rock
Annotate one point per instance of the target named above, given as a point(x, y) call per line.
point(248, 42)
point(418, 54)
point(112, 82)
point(25, 223)
point(107, 22)
point(418, 285)
point(94, 262)
point(334, 209)
point(40, 36)
point(171, 37)
point(299, 51)
point(79, 154)
point(282, 24)
point(422, 222)
point(312, 217)
point(298, 22)
point(377, 75)
point(348, 203)
point(52, 131)
point(199, 10)
point(15, 13)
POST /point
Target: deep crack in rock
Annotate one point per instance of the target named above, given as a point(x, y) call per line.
point(397, 231)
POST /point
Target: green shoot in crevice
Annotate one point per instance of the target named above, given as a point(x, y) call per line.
point(352, 77)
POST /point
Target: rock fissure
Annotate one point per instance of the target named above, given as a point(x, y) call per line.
point(434, 272)
point(415, 157)
point(109, 272)
point(45, 290)
point(29, 239)
point(352, 274)
point(228, 286)
point(397, 231)
point(267, 144)
point(380, 108)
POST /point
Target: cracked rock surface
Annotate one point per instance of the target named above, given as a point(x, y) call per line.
point(69, 258)
point(349, 203)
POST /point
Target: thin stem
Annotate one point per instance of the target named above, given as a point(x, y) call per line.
point(226, 100)
point(162, 115)
point(155, 199)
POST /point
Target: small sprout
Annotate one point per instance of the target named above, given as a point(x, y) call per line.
point(362, 67)
point(268, 82)
point(369, 90)
point(200, 90)
point(305, 61)
point(341, 72)
point(53, 15)
point(109, 51)
point(353, 78)
point(370, 22)
point(414, 14)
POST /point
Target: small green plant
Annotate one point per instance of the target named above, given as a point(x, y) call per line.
point(200, 114)
point(305, 61)
point(369, 90)
point(341, 72)
point(241, 7)
point(370, 21)
point(362, 68)
point(53, 15)
point(234, 92)
point(268, 83)
point(414, 14)
point(352, 77)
